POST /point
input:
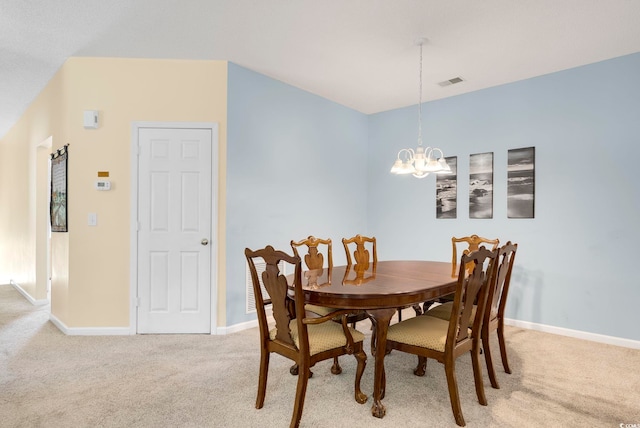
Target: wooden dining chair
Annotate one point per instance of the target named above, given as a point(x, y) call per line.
point(494, 310)
point(444, 341)
point(319, 256)
point(314, 260)
point(494, 313)
point(471, 243)
point(305, 340)
point(363, 257)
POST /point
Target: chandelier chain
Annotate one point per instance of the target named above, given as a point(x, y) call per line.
point(420, 100)
point(421, 161)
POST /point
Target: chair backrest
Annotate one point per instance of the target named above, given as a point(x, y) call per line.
point(497, 298)
point(472, 242)
point(314, 258)
point(286, 304)
point(361, 255)
point(472, 288)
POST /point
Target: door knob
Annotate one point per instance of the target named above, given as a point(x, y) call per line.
point(205, 241)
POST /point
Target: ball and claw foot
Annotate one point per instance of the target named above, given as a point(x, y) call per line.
point(294, 371)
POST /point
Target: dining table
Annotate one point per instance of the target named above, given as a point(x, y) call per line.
point(378, 288)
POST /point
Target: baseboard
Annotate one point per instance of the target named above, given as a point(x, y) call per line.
point(242, 326)
point(594, 337)
point(27, 296)
point(89, 331)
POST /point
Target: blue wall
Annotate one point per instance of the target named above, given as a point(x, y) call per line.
point(576, 261)
point(296, 166)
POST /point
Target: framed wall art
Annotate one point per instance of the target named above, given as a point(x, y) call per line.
point(58, 202)
point(447, 191)
point(481, 185)
point(521, 182)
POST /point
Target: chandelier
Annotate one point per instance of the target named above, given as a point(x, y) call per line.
point(423, 160)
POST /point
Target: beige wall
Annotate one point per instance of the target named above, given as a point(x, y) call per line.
point(90, 265)
point(23, 192)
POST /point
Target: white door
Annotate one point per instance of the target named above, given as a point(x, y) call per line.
point(174, 229)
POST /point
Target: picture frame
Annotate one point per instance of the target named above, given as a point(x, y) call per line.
point(521, 182)
point(58, 197)
point(447, 191)
point(481, 185)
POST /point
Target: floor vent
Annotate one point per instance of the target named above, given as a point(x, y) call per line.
point(251, 298)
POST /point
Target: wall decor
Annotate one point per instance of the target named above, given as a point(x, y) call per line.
point(521, 182)
point(447, 191)
point(58, 207)
point(481, 185)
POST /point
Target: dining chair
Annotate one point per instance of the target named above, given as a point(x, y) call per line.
point(361, 254)
point(494, 313)
point(472, 243)
point(318, 252)
point(314, 260)
point(444, 341)
point(364, 257)
point(494, 310)
point(305, 340)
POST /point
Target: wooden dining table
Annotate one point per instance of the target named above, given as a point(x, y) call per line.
point(379, 289)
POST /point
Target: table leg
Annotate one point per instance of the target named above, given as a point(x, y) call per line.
point(382, 318)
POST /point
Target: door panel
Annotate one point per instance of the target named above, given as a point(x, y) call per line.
point(174, 214)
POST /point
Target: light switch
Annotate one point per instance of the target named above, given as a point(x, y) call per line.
point(92, 219)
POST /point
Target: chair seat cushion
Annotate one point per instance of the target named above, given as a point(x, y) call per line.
point(444, 311)
point(426, 332)
point(322, 337)
point(320, 310)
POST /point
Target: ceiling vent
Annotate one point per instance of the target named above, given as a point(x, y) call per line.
point(451, 81)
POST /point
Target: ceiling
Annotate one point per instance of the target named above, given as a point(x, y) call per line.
point(359, 53)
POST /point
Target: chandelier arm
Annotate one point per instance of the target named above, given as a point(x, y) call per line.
point(438, 149)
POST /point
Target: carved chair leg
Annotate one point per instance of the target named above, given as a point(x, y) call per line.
point(503, 347)
point(262, 383)
point(477, 376)
point(361, 358)
point(489, 361)
point(301, 391)
point(335, 368)
point(454, 397)
point(421, 368)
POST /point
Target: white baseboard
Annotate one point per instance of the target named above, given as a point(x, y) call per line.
point(27, 296)
point(89, 331)
point(236, 327)
point(594, 337)
point(242, 326)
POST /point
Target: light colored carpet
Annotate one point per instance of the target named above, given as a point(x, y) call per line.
point(48, 379)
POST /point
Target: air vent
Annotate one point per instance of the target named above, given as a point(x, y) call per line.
point(251, 297)
point(452, 81)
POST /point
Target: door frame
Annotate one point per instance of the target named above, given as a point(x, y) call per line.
point(133, 246)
